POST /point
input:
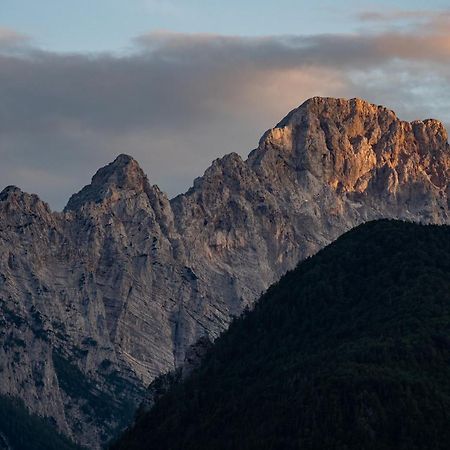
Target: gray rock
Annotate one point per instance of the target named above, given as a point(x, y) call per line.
point(115, 289)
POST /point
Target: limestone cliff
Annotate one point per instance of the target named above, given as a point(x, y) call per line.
point(98, 300)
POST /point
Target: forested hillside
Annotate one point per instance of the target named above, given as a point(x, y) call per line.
point(21, 430)
point(351, 350)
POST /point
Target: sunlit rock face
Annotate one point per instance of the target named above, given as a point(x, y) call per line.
point(99, 299)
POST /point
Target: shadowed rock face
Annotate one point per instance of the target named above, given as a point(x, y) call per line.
point(113, 291)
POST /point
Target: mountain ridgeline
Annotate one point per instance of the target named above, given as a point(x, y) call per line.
point(348, 351)
point(98, 300)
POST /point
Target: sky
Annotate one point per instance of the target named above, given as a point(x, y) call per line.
point(177, 84)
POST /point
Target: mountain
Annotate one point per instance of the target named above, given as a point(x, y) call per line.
point(98, 300)
point(20, 430)
point(348, 351)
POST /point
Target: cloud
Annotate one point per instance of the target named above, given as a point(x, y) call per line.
point(415, 23)
point(180, 100)
point(12, 40)
point(396, 14)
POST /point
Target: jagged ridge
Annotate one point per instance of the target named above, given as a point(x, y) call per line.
point(123, 281)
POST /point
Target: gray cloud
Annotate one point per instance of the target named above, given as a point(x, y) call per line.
point(399, 14)
point(178, 101)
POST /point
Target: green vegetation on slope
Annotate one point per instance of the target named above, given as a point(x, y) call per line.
point(351, 350)
point(114, 414)
point(20, 430)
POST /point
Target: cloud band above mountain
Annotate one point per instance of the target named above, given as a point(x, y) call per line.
point(175, 101)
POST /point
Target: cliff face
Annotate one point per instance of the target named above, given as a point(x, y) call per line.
point(348, 351)
point(99, 299)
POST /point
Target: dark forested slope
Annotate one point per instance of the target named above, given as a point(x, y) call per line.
point(351, 350)
point(22, 430)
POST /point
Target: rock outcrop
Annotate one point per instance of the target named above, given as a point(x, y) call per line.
point(98, 300)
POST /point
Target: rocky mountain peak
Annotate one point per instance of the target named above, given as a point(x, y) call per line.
point(9, 192)
point(333, 108)
point(123, 174)
point(354, 145)
point(130, 280)
point(431, 131)
point(13, 198)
